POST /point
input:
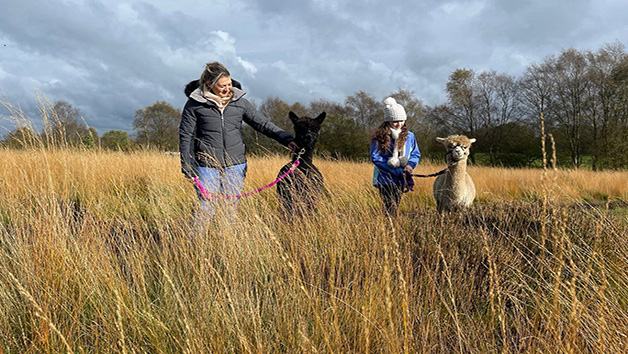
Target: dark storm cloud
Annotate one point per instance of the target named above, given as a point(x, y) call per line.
point(107, 61)
point(110, 59)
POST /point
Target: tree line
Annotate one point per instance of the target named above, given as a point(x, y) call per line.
point(577, 101)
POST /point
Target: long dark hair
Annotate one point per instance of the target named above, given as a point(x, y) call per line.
point(383, 136)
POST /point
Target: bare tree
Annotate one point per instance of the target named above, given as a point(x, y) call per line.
point(330, 107)
point(413, 106)
point(536, 94)
point(67, 126)
point(605, 94)
point(277, 111)
point(364, 109)
point(461, 106)
point(570, 90)
point(340, 137)
point(497, 108)
point(157, 126)
point(618, 138)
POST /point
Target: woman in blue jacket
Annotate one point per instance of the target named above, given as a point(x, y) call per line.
point(395, 153)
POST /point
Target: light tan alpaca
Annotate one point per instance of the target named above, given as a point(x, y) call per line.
point(455, 189)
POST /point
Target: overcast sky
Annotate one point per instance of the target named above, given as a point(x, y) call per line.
point(110, 58)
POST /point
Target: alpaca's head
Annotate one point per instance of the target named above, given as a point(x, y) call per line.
point(457, 148)
point(306, 129)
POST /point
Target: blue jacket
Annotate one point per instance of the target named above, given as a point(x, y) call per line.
point(384, 174)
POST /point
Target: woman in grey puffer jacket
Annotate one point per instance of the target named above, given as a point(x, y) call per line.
point(210, 140)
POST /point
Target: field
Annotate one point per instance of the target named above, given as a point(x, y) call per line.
point(100, 253)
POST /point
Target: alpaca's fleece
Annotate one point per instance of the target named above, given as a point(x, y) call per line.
point(299, 192)
point(455, 189)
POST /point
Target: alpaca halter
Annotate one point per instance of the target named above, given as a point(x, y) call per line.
point(207, 195)
point(439, 172)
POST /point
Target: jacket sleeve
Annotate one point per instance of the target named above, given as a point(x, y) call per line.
point(381, 163)
point(187, 127)
point(263, 125)
point(415, 154)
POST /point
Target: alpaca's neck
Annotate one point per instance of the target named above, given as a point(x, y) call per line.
point(458, 169)
point(306, 157)
point(458, 174)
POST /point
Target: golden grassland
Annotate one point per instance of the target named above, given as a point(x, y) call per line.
point(100, 253)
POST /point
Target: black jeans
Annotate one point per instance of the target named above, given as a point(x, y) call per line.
point(391, 196)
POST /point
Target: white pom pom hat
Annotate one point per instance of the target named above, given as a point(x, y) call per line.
point(393, 110)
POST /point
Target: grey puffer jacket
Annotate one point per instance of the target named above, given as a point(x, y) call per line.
point(215, 137)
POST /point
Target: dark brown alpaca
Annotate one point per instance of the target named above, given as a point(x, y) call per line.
point(299, 192)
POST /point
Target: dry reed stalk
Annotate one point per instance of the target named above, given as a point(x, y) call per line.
point(243, 341)
point(403, 287)
point(118, 322)
point(39, 312)
point(332, 296)
point(558, 235)
point(491, 270)
point(575, 313)
point(186, 321)
point(495, 291)
point(18, 117)
point(301, 283)
point(543, 151)
point(453, 310)
point(367, 332)
point(553, 152)
point(543, 246)
point(306, 342)
point(596, 258)
point(388, 301)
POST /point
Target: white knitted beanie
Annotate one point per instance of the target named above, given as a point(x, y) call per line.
point(393, 110)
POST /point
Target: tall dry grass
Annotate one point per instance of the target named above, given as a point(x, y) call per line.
point(100, 253)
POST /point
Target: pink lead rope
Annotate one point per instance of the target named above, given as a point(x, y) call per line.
point(208, 195)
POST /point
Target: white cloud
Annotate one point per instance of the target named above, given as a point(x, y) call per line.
point(459, 9)
point(247, 66)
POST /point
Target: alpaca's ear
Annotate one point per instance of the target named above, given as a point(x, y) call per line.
point(441, 140)
point(320, 118)
point(293, 117)
point(472, 140)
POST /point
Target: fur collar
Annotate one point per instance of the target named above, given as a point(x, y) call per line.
point(221, 102)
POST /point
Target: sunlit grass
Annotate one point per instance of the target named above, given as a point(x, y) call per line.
point(100, 253)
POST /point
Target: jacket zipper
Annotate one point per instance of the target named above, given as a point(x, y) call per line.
point(224, 141)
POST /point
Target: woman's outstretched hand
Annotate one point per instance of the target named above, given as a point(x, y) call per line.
point(293, 147)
